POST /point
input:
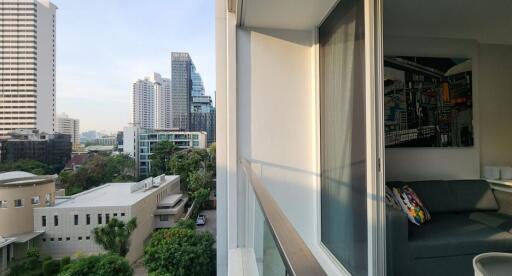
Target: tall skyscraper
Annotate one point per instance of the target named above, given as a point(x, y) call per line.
point(143, 103)
point(151, 102)
point(197, 82)
point(162, 102)
point(181, 65)
point(27, 65)
point(70, 126)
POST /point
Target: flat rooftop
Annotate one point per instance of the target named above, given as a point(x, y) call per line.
point(170, 200)
point(110, 194)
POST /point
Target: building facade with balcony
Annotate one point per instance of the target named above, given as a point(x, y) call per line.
point(27, 65)
point(140, 142)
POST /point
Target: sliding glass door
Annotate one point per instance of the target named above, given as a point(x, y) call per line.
point(349, 137)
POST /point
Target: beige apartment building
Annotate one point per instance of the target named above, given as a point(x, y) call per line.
point(20, 193)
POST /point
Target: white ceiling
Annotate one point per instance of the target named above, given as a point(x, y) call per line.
point(488, 21)
point(285, 14)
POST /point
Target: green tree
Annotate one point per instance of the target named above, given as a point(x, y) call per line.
point(180, 251)
point(187, 161)
point(212, 161)
point(31, 166)
point(115, 236)
point(185, 224)
point(99, 170)
point(200, 187)
point(105, 265)
point(51, 267)
point(160, 156)
point(29, 266)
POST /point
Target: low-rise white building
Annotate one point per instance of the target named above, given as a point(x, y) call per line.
point(69, 225)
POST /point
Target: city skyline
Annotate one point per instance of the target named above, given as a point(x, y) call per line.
point(97, 90)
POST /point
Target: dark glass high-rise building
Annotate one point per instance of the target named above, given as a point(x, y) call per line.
point(181, 87)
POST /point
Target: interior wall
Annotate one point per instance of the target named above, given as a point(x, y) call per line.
point(496, 105)
point(412, 164)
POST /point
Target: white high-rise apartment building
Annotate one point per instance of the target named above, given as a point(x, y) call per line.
point(162, 101)
point(143, 103)
point(151, 102)
point(27, 65)
point(69, 126)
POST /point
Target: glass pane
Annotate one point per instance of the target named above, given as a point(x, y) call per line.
point(268, 259)
point(343, 144)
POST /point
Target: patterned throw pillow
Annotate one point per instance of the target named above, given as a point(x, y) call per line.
point(391, 200)
point(411, 205)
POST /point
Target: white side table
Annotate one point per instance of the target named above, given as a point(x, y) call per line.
point(493, 264)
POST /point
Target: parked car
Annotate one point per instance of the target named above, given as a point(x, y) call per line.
point(201, 220)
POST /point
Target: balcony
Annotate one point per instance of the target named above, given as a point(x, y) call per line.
point(273, 246)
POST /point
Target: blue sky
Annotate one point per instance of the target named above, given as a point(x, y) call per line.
point(103, 46)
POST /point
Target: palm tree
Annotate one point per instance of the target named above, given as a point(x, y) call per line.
point(115, 236)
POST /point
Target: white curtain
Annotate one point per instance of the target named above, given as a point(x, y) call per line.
point(343, 188)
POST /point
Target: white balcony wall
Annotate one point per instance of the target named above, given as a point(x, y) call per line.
point(277, 124)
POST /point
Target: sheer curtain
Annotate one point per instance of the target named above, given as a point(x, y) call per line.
point(343, 144)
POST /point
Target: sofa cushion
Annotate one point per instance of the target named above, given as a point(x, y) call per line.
point(493, 219)
point(436, 195)
point(456, 234)
point(473, 195)
point(440, 196)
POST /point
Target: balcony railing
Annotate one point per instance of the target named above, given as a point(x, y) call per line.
point(281, 250)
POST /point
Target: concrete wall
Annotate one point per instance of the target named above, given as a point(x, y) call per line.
point(495, 105)
point(74, 239)
point(46, 66)
point(70, 234)
point(143, 210)
point(277, 125)
point(19, 220)
point(436, 163)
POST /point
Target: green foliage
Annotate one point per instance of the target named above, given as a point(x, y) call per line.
point(31, 166)
point(64, 262)
point(99, 170)
point(212, 164)
point(115, 236)
point(200, 185)
point(51, 267)
point(180, 251)
point(185, 224)
point(185, 162)
point(105, 265)
point(113, 265)
point(33, 253)
point(160, 157)
point(30, 266)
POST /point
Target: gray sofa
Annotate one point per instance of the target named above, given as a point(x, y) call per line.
point(468, 218)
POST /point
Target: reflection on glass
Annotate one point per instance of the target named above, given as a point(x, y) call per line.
point(343, 146)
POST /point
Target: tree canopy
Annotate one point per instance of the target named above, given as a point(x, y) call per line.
point(98, 170)
point(115, 236)
point(105, 265)
point(180, 251)
point(31, 166)
point(160, 157)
